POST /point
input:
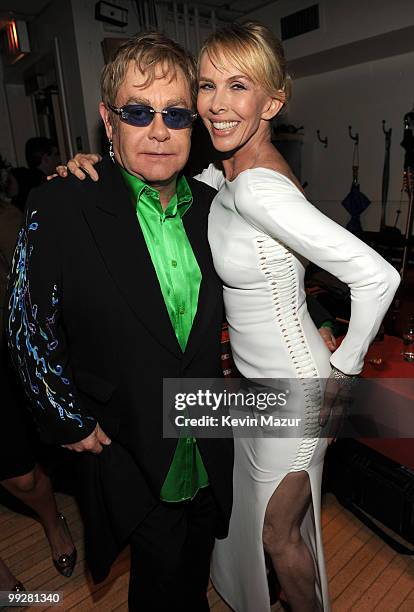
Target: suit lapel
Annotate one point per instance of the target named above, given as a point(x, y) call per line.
point(119, 238)
point(195, 223)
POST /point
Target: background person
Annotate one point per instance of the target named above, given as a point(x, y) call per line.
point(19, 472)
point(41, 157)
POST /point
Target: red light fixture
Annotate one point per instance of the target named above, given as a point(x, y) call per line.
point(14, 41)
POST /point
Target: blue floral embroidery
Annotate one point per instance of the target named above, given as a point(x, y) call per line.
point(34, 341)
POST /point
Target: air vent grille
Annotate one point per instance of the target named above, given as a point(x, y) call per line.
point(300, 22)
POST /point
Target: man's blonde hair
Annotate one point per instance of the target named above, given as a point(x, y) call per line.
point(256, 51)
point(150, 51)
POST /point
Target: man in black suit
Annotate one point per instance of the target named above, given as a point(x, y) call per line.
point(113, 289)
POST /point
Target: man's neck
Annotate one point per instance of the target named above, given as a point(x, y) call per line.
point(167, 189)
point(166, 192)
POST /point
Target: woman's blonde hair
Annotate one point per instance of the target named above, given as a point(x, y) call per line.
point(256, 51)
point(149, 51)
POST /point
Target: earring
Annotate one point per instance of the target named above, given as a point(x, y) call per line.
point(111, 151)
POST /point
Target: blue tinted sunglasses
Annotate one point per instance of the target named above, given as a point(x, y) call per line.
point(141, 115)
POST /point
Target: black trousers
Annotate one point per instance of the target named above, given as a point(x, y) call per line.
point(170, 556)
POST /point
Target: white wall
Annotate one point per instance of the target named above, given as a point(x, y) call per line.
point(56, 21)
point(7, 148)
point(22, 124)
point(342, 22)
point(89, 33)
point(360, 95)
point(204, 25)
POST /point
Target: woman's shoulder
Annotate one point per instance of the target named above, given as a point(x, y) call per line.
point(266, 181)
point(262, 193)
point(212, 175)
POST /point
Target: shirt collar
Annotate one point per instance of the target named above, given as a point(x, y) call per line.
point(147, 195)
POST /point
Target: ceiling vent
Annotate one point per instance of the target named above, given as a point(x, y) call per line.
point(300, 22)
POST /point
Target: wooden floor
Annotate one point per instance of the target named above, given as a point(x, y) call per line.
point(364, 573)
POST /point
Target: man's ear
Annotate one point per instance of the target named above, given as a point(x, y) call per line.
point(273, 106)
point(103, 111)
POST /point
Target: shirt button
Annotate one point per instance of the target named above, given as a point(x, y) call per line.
point(181, 310)
point(173, 263)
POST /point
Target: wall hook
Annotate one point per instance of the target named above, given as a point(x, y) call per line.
point(386, 132)
point(324, 141)
point(355, 138)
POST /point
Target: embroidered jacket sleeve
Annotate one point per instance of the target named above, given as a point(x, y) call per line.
point(35, 332)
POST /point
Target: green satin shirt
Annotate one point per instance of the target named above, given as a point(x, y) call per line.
point(179, 277)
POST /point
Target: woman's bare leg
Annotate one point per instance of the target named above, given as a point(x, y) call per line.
point(282, 540)
point(35, 490)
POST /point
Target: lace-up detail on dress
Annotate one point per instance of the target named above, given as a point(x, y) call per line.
point(278, 265)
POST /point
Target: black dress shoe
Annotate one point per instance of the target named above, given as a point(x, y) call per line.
point(66, 562)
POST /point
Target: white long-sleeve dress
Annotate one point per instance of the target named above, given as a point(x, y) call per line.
point(262, 231)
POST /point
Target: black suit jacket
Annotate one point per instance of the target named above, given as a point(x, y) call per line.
point(92, 339)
